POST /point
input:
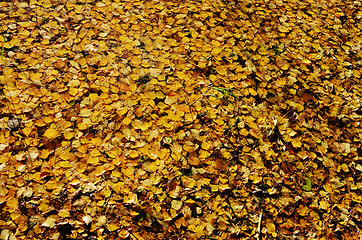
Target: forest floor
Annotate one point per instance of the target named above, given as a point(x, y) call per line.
point(180, 119)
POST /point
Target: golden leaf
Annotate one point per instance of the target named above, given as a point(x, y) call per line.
point(123, 234)
point(112, 226)
point(221, 70)
point(244, 132)
point(85, 112)
point(176, 205)
point(128, 172)
point(263, 51)
point(64, 213)
point(49, 222)
point(51, 133)
point(253, 92)
point(12, 204)
point(131, 198)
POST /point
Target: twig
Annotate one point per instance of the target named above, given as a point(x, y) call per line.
point(259, 224)
point(133, 235)
point(202, 95)
point(276, 121)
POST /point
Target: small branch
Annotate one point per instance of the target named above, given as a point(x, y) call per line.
point(259, 224)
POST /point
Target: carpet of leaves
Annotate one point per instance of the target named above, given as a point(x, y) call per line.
point(205, 119)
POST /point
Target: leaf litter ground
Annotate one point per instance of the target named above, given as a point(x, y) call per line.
point(180, 119)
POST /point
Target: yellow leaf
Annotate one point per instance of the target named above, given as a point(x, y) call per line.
point(205, 145)
point(122, 111)
point(302, 154)
point(45, 3)
point(133, 154)
point(68, 135)
point(128, 172)
point(134, 76)
point(44, 153)
point(214, 188)
point(65, 164)
point(306, 61)
point(93, 96)
point(130, 198)
point(302, 210)
point(51, 133)
point(151, 166)
point(181, 75)
point(49, 222)
point(112, 227)
point(113, 153)
point(281, 81)
point(323, 204)
point(12, 203)
point(126, 121)
point(118, 187)
point(48, 119)
point(93, 160)
point(253, 92)
point(271, 228)
point(27, 131)
point(176, 205)
point(190, 183)
point(185, 39)
point(285, 66)
point(224, 187)
point(136, 61)
point(283, 29)
point(95, 153)
point(207, 48)
point(73, 91)
point(176, 192)
point(263, 51)
point(219, 121)
point(85, 112)
point(82, 126)
point(344, 167)
point(296, 142)
point(64, 213)
point(99, 170)
point(254, 47)
point(201, 64)
point(103, 62)
point(204, 154)
point(221, 70)
point(123, 234)
point(244, 132)
point(226, 155)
